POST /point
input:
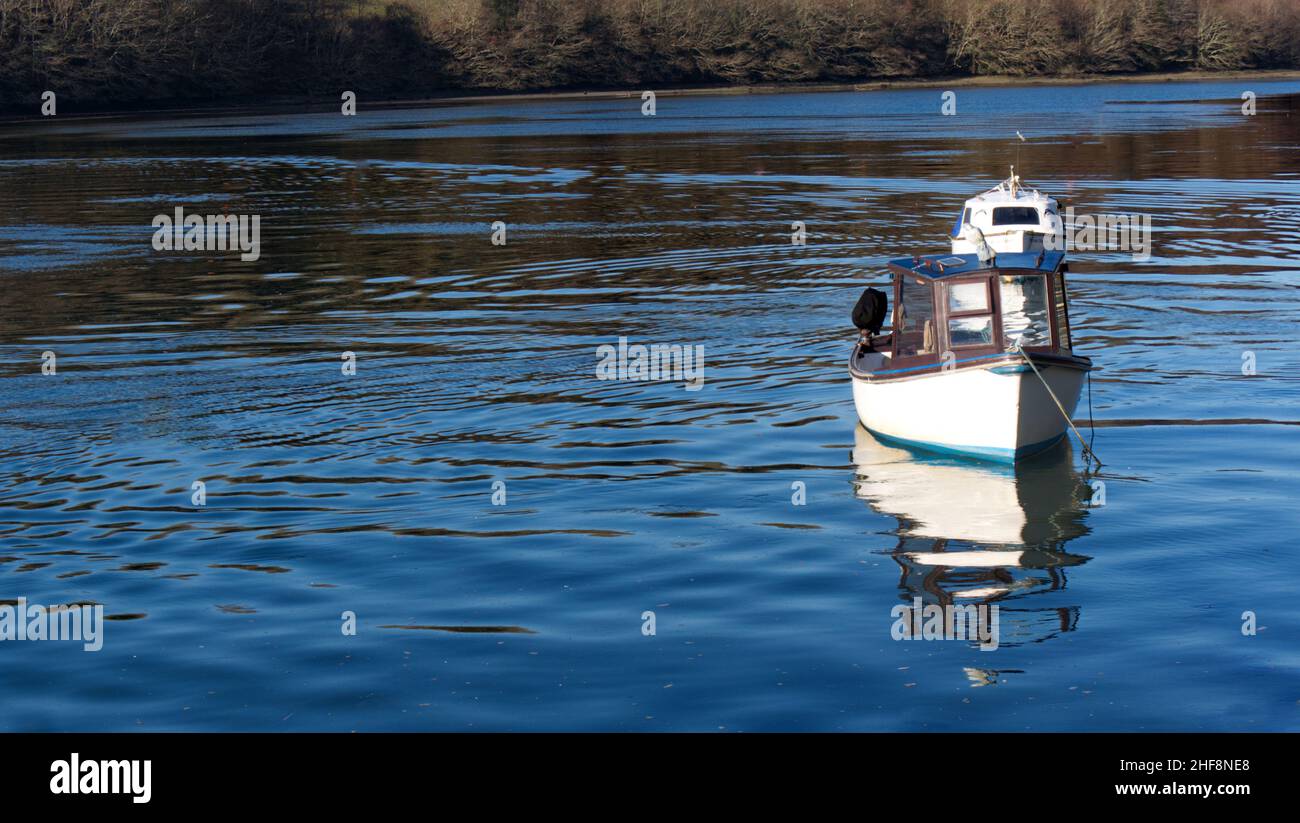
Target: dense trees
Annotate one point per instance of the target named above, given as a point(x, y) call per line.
point(121, 52)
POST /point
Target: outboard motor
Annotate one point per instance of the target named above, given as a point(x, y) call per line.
point(871, 310)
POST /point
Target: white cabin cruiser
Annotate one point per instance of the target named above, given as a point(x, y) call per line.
point(1009, 218)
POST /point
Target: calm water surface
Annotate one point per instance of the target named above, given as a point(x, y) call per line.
point(372, 493)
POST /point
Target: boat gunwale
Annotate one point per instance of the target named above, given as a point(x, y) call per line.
point(984, 362)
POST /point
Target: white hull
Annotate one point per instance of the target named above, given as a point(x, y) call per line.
point(972, 411)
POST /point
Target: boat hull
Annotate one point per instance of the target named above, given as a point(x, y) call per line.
point(1001, 412)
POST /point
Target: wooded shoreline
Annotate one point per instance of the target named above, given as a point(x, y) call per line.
point(99, 55)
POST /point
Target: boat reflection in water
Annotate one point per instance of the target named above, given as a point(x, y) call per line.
point(975, 533)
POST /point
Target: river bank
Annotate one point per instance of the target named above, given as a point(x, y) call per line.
point(150, 54)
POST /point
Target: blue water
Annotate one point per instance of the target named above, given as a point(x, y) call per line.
point(372, 493)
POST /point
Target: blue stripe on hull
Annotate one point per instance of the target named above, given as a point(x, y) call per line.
point(984, 452)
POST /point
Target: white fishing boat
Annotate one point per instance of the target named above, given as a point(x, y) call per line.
point(978, 358)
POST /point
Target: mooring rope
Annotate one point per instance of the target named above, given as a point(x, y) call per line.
point(1088, 453)
point(1092, 427)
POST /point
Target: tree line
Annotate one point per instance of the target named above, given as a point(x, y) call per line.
point(141, 52)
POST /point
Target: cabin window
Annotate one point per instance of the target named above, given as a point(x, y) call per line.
point(970, 331)
point(1015, 216)
point(1062, 314)
point(1024, 310)
point(972, 296)
point(915, 332)
point(970, 313)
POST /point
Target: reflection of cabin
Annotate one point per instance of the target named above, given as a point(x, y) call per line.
point(979, 576)
point(974, 310)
